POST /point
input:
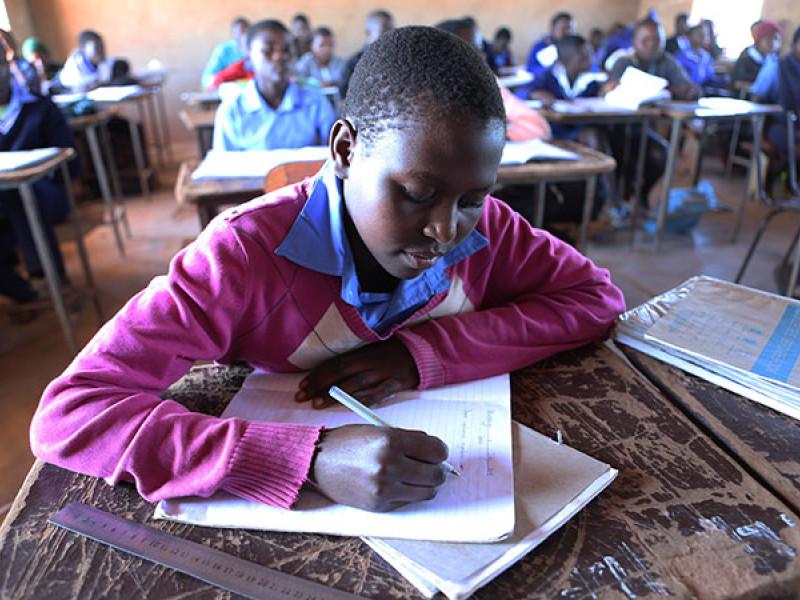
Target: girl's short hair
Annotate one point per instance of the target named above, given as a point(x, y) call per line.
point(417, 72)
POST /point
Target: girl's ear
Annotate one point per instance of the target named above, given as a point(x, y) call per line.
point(342, 147)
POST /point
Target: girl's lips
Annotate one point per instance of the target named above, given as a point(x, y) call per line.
point(421, 260)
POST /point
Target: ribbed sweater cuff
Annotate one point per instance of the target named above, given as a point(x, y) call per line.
point(430, 368)
point(271, 462)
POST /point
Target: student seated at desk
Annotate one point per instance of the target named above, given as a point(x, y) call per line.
point(649, 56)
point(788, 96)
point(226, 53)
point(698, 62)
point(678, 41)
point(301, 36)
point(21, 69)
point(767, 38)
point(543, 53)
point(378, 22)
point(37, 54)
point(27, 123)
point(82, 71)
point(271, 111)
point(319, 65)
point(392, 269)
point(501, 46)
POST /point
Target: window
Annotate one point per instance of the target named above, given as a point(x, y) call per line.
point(732, 21)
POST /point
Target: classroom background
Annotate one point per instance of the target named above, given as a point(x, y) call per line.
point(181, 33)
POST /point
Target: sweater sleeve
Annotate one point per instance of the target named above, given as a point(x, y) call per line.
point(535, 296)
point(104, 415)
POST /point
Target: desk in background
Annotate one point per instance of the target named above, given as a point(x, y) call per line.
point(588, 167)
point(710, 110)
point(95, 126)
point(201, 124)
point(682, 519)
point(22, 179)
point(209, 195)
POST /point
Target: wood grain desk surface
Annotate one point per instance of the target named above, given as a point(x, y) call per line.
point(764, 440)
point(683, 519)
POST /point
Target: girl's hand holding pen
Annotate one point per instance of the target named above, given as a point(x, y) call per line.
point(378, 469)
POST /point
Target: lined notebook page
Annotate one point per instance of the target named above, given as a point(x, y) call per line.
point(473, 419)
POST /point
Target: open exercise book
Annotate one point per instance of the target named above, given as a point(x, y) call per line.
point(552, 482)
point(744, 340)
point(636, 87)
point(515, 153)
point(220, 164)
point(473, 419)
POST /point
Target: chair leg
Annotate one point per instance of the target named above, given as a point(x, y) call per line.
point(759, 232)
point(795, 266)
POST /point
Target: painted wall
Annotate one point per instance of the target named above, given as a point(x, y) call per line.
point(181, 33)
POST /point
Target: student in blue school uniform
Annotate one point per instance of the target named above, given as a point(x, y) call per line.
point(698, 62)
point(271, 111)
point(543, 52)
point(501, 46)
point(82, 70)
point(678, 41)
point(226, 53)
point(29, 122)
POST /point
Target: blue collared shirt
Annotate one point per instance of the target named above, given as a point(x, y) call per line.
point(317, 241)
point(246, 122)
point(19, 97)
point(766, 84)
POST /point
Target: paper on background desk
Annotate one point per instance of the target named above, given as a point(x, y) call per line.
point(553, 482)
point(587, 105)
point(473, 419)
point(113, 93)
point(636, 87)
point(515, 153)
point(11, 161)
point(220, 164)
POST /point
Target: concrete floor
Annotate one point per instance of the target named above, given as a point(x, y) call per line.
point(31, 355)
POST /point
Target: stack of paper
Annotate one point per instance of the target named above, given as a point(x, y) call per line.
point(586, 105)
point(11, 161)
point(220, 164)
point(744, 340)
point(515, 79)
point(552, 482)
point(113, 94)
point(515, 153)
point(636, 87)
point(473, 419)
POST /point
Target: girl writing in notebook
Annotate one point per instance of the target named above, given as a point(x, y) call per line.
point(392, 269)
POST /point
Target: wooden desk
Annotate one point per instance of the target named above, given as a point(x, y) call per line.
point(729, 109)
point(682, 519)
point(23, 180)
point(96, 128)
point(201, 123)
point(208, 196)
point(591, 164)
point(764, 440)
point(201, 100)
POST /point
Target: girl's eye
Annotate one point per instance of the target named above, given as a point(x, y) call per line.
point(417, 198)
point(471, 201)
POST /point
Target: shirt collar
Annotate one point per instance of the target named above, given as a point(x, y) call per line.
point(253, 102)
point(317, 241)
point(582, 81)
point(753, 52)
point(20, 96)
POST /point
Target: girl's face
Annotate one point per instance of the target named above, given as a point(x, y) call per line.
point(417, 190)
